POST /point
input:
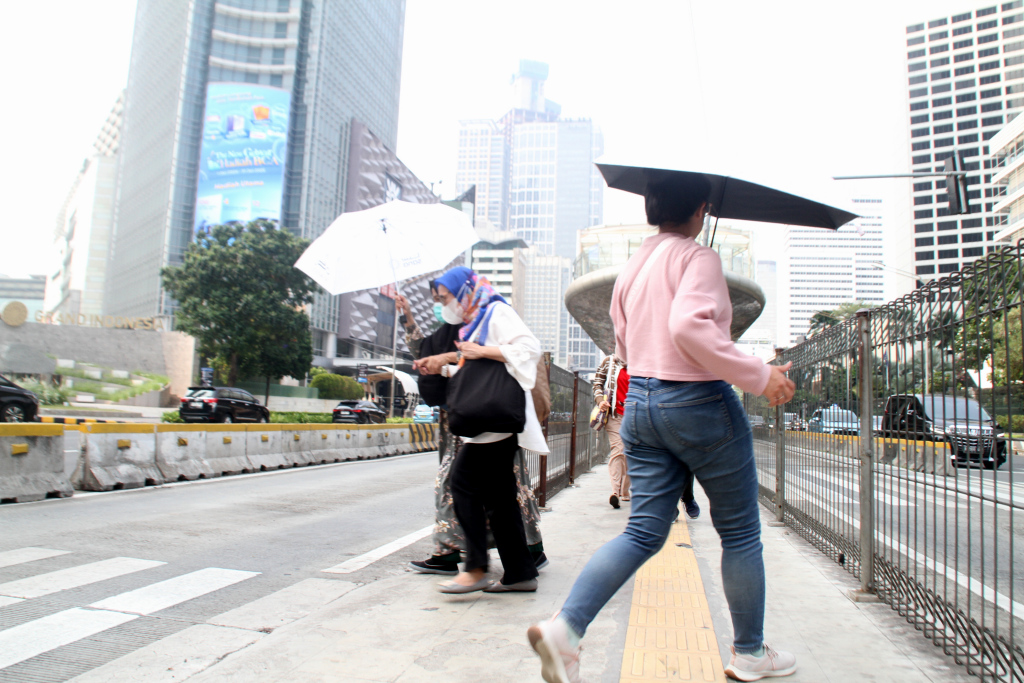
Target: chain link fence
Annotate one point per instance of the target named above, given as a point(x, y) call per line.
point(900, 457)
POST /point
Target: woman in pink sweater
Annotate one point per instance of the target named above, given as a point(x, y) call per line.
point(672, 313)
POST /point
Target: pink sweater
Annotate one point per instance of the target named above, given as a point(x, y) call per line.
point(679, 327)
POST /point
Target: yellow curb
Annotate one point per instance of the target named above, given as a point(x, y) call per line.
point(671, 636)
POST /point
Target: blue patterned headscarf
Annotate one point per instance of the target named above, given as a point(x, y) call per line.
point(475, 294)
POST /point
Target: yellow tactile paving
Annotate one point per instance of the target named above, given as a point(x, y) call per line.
point(670, 635)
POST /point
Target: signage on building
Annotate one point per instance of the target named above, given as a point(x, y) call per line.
point(113, 321)
point(364, 371)
point(206, 376)
point(242, 160)
point(14, 314)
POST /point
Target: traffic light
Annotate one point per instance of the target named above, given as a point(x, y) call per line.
point(956, 186)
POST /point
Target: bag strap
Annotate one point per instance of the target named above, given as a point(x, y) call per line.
point(641, 278)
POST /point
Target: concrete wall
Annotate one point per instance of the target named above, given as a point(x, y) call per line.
point(299, 405)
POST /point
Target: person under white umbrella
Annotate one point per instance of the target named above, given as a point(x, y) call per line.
point(387, 244)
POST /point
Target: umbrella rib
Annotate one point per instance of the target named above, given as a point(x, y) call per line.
point(721, 199)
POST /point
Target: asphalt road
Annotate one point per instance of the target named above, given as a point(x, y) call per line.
point(968, 529)
point(240, 538)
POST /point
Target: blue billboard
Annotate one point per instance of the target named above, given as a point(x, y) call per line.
point(242, 160)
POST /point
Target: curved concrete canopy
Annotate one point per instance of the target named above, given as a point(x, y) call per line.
point(589, 297)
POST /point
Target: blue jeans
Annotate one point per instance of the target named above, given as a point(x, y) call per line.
point(668, 429)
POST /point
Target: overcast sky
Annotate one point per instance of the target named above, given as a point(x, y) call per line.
point(784, 93)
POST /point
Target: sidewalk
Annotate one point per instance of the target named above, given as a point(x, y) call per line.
point(393, 626)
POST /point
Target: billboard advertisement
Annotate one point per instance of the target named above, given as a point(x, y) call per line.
point(242, 159)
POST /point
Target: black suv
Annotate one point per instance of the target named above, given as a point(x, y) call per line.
point(221, 404)
point(973, 436)
point(16, 404)
point(359, 412)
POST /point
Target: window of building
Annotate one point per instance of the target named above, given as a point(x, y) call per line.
point(918, 92)
point(936, 89)
point(1012, 19)
point(962, 17)
point(987, 66)
point(964, 70)
point(948, 239)
point(967, 111)
point(984, 12)
point(917, 106)
point(923, 199)
point(995, 92)
point(921, 187)
point(940, 115)
point(924, 241)
point(944, 142)
point(939, 75)
point(281, 29)
point(926, 270)
point(963, 57)
point(945, 128)
point(922, 159)
point(915, 28)
point(923, 213)
point(276, 80)
point(967, 139)
point(992, 106)
point(914, 80)
point(252, 78)
point(949, 253)
point(1013, 33)
point(973, 251)
point(985, 80)
point(947, 225)
point(971, 237)
point(966, 125)
point(918, 146)
point(969, 83)
point(936, 23)
point(1007, 6)
point(918, 119)
point(278, 56)
point(915, 41)
point(966, 97)
point(942, 61)
point(924, 256)
point(988, 39)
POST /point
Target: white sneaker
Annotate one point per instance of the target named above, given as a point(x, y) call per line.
point(752, 668)
point(560, 662)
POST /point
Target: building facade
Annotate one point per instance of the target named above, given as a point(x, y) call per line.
point(535, 178)
point(75, 286)
point(310, 67)
point(826, 268)
point(965, 82)
point(1007, 161)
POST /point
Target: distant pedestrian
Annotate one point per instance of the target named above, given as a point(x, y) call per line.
point(610, 384)
point(483, 477)
point(436, 350)
point(671, 312)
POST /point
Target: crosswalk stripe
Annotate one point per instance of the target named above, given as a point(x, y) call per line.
point(42, 635)
point(164, 594)
point(174, 658)
point(357, 563)
point(22, 555)
point(4, 600)
point(285, 606)
point(73, 577)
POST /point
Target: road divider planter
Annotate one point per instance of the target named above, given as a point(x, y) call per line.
point(118, 456)
point(32, 463)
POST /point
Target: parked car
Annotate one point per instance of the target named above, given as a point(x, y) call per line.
point(793, 422)
point(834, 420)
point(756, 420)
point(221, 404)
point(437, 413)
point(359, 412)
point(423, 413)
point(17, 404)
point(973, 436)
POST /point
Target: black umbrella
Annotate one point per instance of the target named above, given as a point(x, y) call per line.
point(735, 198)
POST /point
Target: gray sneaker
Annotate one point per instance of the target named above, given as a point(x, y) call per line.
point(751, 668)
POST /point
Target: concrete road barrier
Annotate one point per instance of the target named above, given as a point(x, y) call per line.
point(424, 437)
point(119, 456)
point(264, 447)
point(32, 463)
point(930, 457)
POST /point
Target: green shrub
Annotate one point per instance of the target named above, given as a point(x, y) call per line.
point(171, 416)
point(301, 418)
point(46, 393)
point(333, 386)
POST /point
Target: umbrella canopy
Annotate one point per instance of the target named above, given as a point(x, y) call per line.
point(735, 198)
point(388, 243)
point(409, 383)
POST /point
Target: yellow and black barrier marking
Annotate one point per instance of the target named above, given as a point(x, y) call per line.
point(47, 419)
point(423, 436)
point(670, 636)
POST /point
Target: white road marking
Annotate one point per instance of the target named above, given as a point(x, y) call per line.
point(22, 555)
point(174, 658)
point(285, 606)
point(73, 577)
point(357, 563)
point(4, 600)
point(42, 635)
point(164, 594)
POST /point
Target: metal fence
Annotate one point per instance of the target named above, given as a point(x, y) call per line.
point(575, 448)
point(902, 458)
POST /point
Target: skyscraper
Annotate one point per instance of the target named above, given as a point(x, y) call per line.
point(826, 268)
point(535, 178)
point(289, 79)
point(966, 79)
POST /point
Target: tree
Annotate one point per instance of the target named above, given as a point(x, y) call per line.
point(337, 386)
point(241, 298)
point(822, 320)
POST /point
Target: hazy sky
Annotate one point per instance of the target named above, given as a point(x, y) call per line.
point(785, 93)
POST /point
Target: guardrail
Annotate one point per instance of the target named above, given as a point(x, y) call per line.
point(908, 475)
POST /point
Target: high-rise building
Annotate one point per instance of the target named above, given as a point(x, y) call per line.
point(1008, 174)
point(966, 80)
point(76, 283)
point(535, 178)
point(242, 109)
point(503, 263)
point(826, 268)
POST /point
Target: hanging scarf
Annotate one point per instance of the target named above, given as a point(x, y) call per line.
point(475, 294)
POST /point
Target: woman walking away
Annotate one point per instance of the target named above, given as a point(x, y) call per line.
point(483, 475)
point(611, 382)
point(671, 312)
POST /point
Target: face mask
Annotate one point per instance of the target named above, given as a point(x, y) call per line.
point(438, 312)
point(452, 313)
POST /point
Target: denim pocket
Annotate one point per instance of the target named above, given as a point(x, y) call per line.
point(702, 423)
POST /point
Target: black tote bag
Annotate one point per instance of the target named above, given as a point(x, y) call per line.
point(484, 397)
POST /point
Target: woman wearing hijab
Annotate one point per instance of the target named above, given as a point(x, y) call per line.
point(438, 349)
point(483, 474)
point(672, 314)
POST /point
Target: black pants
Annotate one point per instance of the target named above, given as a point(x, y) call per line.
point(484, 489)
point(688, 488)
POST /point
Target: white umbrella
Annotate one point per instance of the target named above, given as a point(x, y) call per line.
point(388, 243)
